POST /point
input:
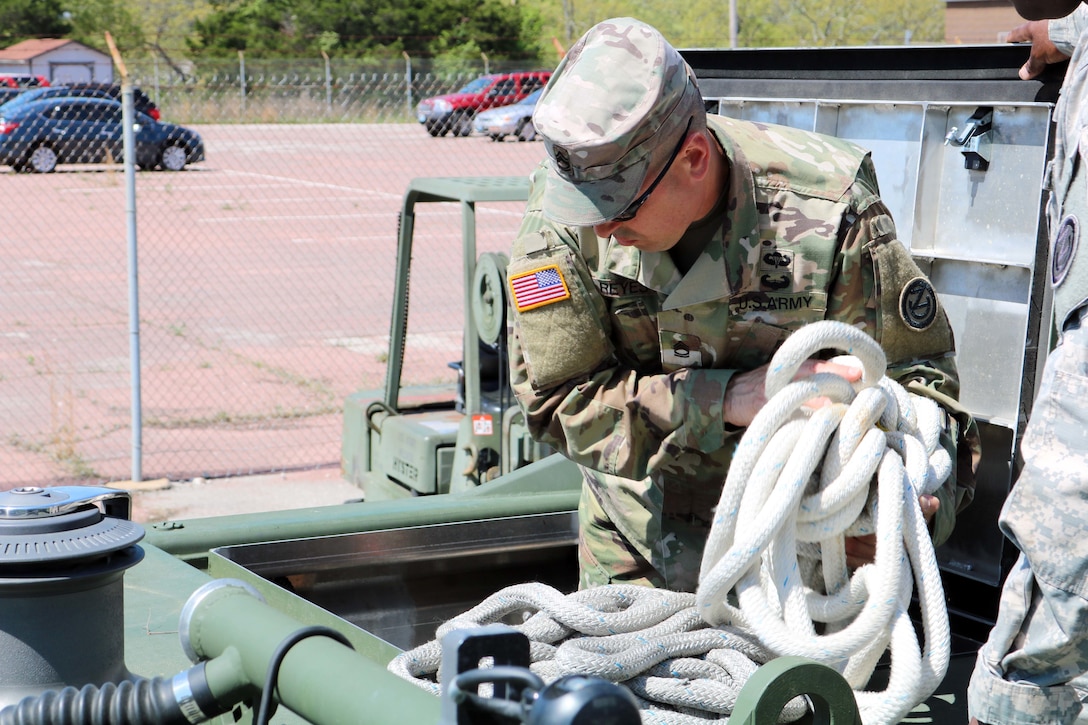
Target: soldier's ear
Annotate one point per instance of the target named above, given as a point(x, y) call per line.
point(696, 156)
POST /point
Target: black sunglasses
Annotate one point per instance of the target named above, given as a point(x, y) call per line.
point(632, 209)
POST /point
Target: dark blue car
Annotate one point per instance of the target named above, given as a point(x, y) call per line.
point(41, 134)
point(140, 100)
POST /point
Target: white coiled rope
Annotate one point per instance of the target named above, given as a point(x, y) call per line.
point(774, 579)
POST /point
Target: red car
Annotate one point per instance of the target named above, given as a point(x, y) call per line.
point(454, 111)
point(23, 81)
point(12, 84)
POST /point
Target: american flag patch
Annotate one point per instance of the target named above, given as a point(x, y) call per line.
point(538, 287)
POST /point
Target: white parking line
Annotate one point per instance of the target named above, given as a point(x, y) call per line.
point(314, 184)
point(284, 217)
point(378, 344)
point(174, 188)
point(248, 199)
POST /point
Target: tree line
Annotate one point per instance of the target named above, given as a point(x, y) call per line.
point(534, 33)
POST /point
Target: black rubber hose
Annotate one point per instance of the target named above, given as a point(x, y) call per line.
point(143, 702)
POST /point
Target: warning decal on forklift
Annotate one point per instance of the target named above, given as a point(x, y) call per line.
point(481, 425)
point(538, 287)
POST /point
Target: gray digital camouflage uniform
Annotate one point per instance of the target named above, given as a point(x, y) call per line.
point(1026, 670)
point(1064, 32)
point(623, 366)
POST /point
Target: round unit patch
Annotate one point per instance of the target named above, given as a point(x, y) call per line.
point(1065, 248)
point(918, 304)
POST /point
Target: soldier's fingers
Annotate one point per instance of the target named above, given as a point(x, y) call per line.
point(817, 402)
point(851, 373)
point(1020, 34)
point(1033, 67)
point(929, 505)
point(860, 550)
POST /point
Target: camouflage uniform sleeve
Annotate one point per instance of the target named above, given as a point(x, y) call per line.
point(1065, 32)
point(609, 418)
point(929, 369)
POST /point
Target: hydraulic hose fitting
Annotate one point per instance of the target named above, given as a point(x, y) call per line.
point(182, 700)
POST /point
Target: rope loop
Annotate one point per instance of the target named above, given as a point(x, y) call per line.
point(774, 579)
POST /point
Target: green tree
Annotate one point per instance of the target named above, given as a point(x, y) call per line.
point(361, 27)
point(26, 19)
point(139, 27)
point(452, 29)
point(705, 23)
point(92, 18)
point(166, 25)
point(830, 22)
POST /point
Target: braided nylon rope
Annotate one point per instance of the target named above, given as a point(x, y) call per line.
point(774, 579)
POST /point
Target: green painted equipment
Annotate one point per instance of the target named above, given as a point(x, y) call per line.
point(394, 447)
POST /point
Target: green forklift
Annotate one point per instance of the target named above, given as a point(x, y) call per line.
point(445, 439)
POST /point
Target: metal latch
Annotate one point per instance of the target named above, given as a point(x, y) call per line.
point(519, 696)
point(975, 139)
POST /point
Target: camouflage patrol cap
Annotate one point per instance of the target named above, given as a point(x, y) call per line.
point(615, 107)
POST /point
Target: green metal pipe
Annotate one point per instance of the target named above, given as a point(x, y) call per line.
point(228, 681)
point(193, 538)
point(319, 679)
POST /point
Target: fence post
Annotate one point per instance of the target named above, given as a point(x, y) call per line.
point(242, 77)
point(128, 118)
point(408, 78)
point(484, 56)
point(328, 83)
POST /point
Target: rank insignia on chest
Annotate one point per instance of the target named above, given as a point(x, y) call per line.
point(538, 287)
point(775, 268)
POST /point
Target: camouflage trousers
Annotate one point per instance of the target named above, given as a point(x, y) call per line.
point(1024, 673)
point(620, 541)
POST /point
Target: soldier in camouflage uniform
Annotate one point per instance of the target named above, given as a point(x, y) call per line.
point(664, 257)
point(1028, 670)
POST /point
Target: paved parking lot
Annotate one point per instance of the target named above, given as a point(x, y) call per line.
point(265, 278)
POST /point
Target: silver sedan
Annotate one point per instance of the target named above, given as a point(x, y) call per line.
point(513, 120)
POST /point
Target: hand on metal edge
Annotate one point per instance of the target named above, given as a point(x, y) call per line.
point(1043, 52)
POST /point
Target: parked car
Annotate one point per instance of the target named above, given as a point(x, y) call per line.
point(515, 119)
point(37, 94)
point(37, 136)
point(23, 80)
point(455, 111)
point(13, 84)
point(140, 100)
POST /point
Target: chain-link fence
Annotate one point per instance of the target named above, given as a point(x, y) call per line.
point(265, 272)
point(247, 90)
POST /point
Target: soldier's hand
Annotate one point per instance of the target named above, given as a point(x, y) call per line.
point(861, 550)
point(1043, 52)
point(746, 394)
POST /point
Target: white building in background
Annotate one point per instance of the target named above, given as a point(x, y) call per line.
point(61, 61)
